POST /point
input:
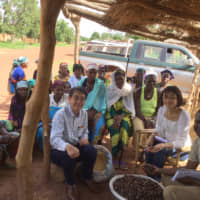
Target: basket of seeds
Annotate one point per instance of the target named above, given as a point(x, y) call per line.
point(135, 187)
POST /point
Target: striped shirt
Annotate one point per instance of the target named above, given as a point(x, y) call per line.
point(68, 128)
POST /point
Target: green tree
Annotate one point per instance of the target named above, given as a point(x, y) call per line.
point(117, 36)
point(64, 33)
point(106, 36)
point(21, 17)
point(94, 36)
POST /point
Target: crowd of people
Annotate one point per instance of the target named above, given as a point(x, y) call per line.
point(85, 107)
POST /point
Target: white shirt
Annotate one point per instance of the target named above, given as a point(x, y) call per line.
point(62, 103)
point(175, 132)
point(68, 128)
point(74, 81)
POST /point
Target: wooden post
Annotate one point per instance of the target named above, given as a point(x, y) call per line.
point(49, 13)
point(76, 21)
point(46, 137)
point(193, 93)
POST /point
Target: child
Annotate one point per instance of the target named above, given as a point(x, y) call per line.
point(67, 87)
point(78, 72)
point(70, 143)
point(63, 73)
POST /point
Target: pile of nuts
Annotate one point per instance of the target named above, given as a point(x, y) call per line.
point(138, 188)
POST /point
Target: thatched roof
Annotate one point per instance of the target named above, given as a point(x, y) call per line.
point(155, 19)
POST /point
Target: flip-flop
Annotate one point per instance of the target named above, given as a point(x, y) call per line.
point(116, 164)
point(123, 166)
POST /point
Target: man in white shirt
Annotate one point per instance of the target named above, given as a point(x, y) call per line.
point(69, 142)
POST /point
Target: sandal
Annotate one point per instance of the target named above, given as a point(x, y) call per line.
point(123, 166)
point(116, 164)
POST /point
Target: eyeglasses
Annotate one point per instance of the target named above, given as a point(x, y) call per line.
point(78, 98)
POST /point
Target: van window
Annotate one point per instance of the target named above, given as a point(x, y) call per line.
point(152, 52)
point(176, 56)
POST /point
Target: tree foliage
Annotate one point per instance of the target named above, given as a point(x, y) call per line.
point(95, 35)
point(20, 17)
point(64, 33)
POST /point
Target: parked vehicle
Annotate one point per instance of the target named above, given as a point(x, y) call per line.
point(148, 55)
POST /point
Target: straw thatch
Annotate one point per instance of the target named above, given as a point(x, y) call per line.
point(155, 19)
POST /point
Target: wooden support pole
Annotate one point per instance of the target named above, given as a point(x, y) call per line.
point(49, 13)
point(46, 137)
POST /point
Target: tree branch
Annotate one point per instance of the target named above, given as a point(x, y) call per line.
point(96, 6)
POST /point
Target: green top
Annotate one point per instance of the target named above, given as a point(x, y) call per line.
point(148, 107)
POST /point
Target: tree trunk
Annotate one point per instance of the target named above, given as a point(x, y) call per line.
point(46, 143)
point(77, 42)
point(49, 13)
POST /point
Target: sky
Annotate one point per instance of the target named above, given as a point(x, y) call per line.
point(87, 27)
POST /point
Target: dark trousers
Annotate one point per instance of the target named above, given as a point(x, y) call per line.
point(87, 158)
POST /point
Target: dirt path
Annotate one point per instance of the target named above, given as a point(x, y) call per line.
point(62, 54)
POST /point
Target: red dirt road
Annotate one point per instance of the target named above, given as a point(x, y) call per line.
point(8, 184)
point(62, 54)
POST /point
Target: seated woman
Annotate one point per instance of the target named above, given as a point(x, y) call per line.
point(77, 76)
point(57, 100)
point(95, 103)
point(63, 73)
point(120, 108)
point(139, 78)
point(172, 127)
point(166, 76)
point(146, 102)
point(17, 106)
point(8, 144)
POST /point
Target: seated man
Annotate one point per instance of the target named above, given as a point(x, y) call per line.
point(69, 142)
point(184, 188)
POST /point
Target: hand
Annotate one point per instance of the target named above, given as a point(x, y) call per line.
point(150, 169)
point(149, 148)
point(83, 142)
point(117, 121)
point(148, 124)
point(157, 148)
point(189, 181)
point(14, 123)
point(72, 151)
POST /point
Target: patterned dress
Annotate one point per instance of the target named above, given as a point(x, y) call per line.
point(119, 137)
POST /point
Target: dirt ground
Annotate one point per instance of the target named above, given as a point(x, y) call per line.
point(52, 190)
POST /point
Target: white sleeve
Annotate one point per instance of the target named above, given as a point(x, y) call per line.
point(57, 131)
point(183, 130)
point(159, 122)
point(85, 132)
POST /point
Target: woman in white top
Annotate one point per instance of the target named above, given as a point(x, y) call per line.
point(77, 76)
point(57, 100)
point(172, 128)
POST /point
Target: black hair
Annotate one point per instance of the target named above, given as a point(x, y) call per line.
point(77, 67)
point(119, 72)
point(77, 89)
point(176, 91)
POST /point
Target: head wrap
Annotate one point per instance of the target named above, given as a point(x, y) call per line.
point(64, 64)
point(169, 72)
point(92, 66)
point(113, 94)
point(58, 83)
point(22, 59)
point(140, 70)
point(16, 63)
point(22, 84)
point(151, 72)
point(31, 82)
